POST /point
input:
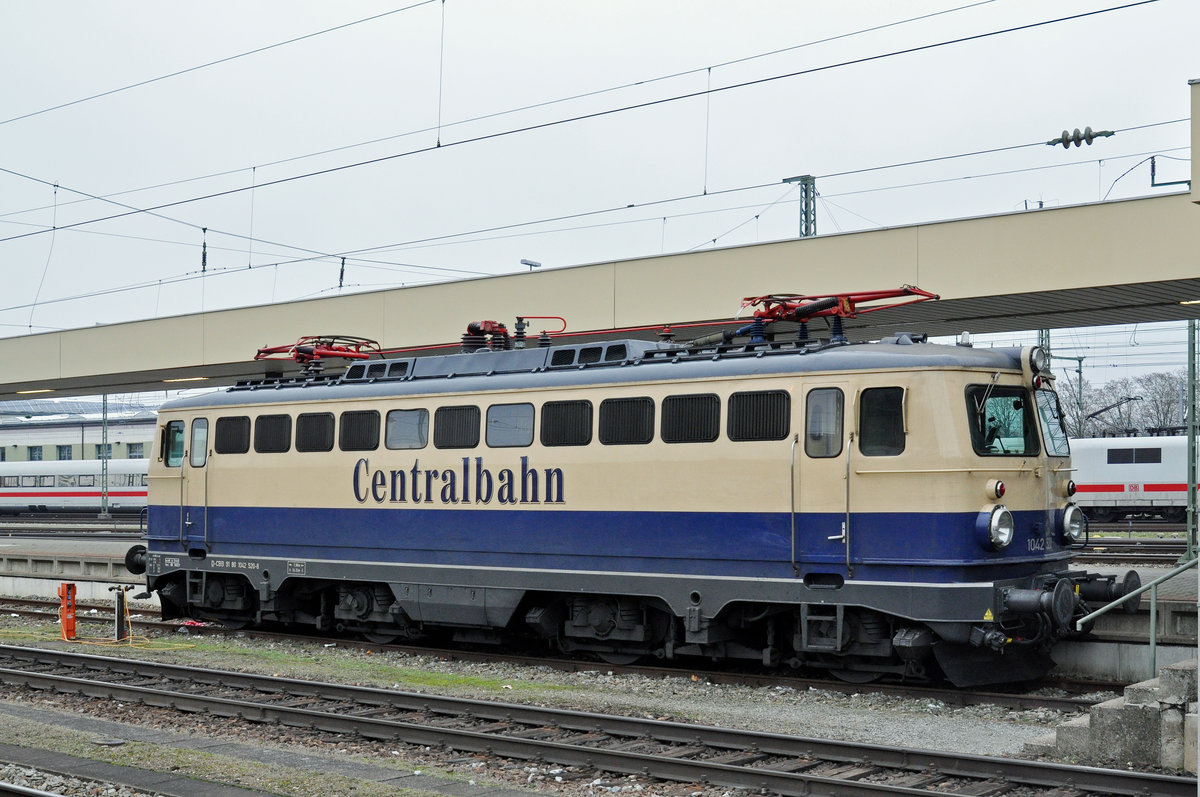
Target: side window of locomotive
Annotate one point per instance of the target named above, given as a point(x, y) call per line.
point(1135, 456)
point(823, 422)
point(232, 435)
point(626, 421)
point(407, 429)
point(314, 431)
point(456, 427)
point(272, 434)
point(198, 454)
point(566, 423)
point(881, 421)
point(509, 425)
point(759, 415)
point(1054, 430)
point(691, 419)
point(1002, 421)
point(359, 430)
point(171, 451)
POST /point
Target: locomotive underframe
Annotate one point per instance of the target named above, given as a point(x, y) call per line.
point(621, 616)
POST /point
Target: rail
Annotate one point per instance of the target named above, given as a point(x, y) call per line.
point(1152, 588)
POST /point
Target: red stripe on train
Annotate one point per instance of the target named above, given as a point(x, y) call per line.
point(1178, 487)
point(54, 494)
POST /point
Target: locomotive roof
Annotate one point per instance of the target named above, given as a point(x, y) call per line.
point(611, 362)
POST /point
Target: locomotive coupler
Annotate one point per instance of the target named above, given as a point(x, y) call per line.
point(1099, 588)
point(1058, 604)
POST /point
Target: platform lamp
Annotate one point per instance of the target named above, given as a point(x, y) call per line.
point(531, 263)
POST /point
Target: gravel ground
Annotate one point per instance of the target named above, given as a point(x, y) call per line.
point(57, 784)
point(875, 719)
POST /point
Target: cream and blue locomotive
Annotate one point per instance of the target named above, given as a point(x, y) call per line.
point(891, 508)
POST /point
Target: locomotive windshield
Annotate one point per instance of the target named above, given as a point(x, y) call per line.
point(1054, 430)
point(172, 444)
point(1002, 421)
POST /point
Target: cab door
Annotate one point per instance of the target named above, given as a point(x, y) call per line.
point(193, 501)
point(165, 485)
point(823, 532)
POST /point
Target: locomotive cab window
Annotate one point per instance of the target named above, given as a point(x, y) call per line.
point(199, 447)
point(881, 422)
point(509, 425)
point(1054, 430)
point(171, 451)
point(407, 429)
point(1002, 421)
point(823, 422)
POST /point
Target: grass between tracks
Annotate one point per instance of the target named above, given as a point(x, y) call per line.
point(309, 661)
point(200, 765)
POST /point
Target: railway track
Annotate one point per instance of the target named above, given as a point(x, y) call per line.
point(589, 742)
point(55, 527)
point(1018, 700)
point(1128, 550)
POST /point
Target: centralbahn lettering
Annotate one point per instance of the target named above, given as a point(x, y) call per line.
point(473, 483)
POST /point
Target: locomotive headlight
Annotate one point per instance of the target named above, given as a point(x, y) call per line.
point(1038, 360)
point(1072, 523)
point(1000, 528)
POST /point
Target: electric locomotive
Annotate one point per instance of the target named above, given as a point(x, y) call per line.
point(1124, 476)
point(895, 508)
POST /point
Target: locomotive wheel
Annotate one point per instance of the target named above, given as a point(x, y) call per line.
point(856, 676)
point(618, 659)
point(380, 637)
point(233, 623)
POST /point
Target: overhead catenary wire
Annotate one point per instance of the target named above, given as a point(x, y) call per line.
point(608, 112)
point(451, 238)
point(208, 64)
point(546, 103)
point(422, 243)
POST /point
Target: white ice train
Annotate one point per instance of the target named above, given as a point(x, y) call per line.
point(1118, 477)
point(72, 486)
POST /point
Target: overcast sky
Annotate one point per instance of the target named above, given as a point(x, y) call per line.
point(696, 102)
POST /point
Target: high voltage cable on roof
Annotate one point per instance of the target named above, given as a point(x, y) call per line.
point(603, 113)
